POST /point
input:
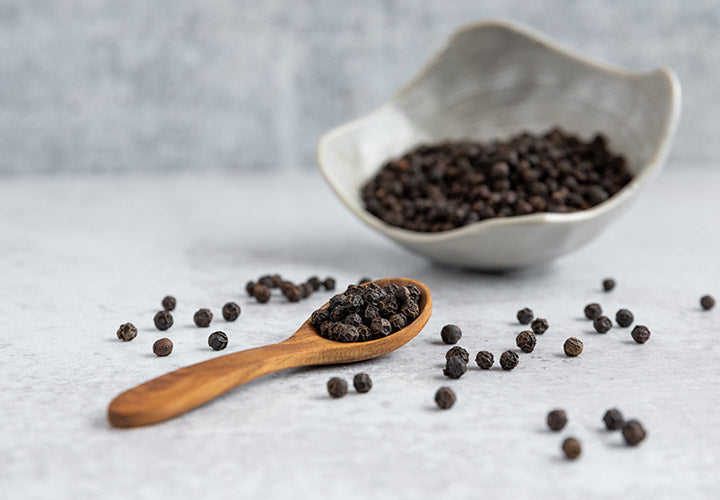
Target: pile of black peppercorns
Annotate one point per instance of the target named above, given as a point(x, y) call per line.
point(367, 312)
point(261, 289)
point(444, 186)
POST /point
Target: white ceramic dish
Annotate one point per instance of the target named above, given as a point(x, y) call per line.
point(495, 79)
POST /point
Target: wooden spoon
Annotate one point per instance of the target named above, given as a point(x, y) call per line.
point(184, 389)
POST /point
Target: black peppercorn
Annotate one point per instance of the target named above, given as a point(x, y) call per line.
point(347, 333)
point(557, 419)
point(163, 347)
point(163, 320)
point(633, 432)
point(319, 317)
point(380, 327)
point(337, 387)
point(450, 334)
point(613, 419)
point(593, 311)
point(127, 332)
point(329, 284)
point(608, 284)
point(362, 382)
point(364, 280)
point(402, 294)
point(445, 398)
point(261, 293)
point(398, 322)
point(169, 303)
point(250, 288)
point(602, 324)
point(314, 282)
point(572, 448)
point(539, 326)
point(707, 302)
point(455, 367)
point(624, 318)
point(484, 360)
point(306, 290)
point(410, 310)
point(268, 281)
point(353, 319)
point(458, 351)
point(508, 360)
point(290, 291)
point(203, 317)
point(218, 341)
point(573, 347)
point(231, 311)
point(525, 316)
point(526, 341)
point(640, 334)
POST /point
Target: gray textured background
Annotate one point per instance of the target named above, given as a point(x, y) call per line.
point(181, 84)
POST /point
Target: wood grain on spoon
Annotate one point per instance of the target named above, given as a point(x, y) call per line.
point(179, 391)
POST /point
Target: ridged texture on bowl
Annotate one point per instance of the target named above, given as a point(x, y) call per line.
point(495, 80)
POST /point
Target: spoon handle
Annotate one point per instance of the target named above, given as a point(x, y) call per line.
point(174, 393)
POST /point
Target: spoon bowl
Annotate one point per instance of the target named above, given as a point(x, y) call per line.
point(493, 80)
point(179, 391)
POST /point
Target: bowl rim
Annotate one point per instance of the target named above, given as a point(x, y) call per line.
point(643, 176)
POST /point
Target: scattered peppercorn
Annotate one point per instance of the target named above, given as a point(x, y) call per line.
point(633, 432)
point(268, 281)
point(169, 303)
point(484, 360)
point(525, 316)
point(707, 302)
point(261, 293)
point(526, 341)
point(602, 324)
point(314, 282)
point(539, 326)
point(290, 291)
point(573, 347)
point(127, 332)
point(624, 318)
point(163, 320)
point(218, 341)
point(329, 284)
point(608, 284)
point(203, 317)
point(362, 382)
point(508, 360)
point(231, 311)
point(364, 280)
point(337, 387)
point(557, 419)
point(450, 334)
point(250, 288)
point(455, 367)
point(438, 187)
point(613, 419)
point(163, 347)
point(445, 398)
point(572, 448)
point(458, 351)
point(593, 311)
point(640, 334)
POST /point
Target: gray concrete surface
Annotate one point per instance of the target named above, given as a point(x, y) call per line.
point(93, 252)
point(170, 85)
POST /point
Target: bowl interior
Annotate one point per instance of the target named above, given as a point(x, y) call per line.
point(494, 81)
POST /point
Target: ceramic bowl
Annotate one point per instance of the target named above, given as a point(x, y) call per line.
point(493, 80)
